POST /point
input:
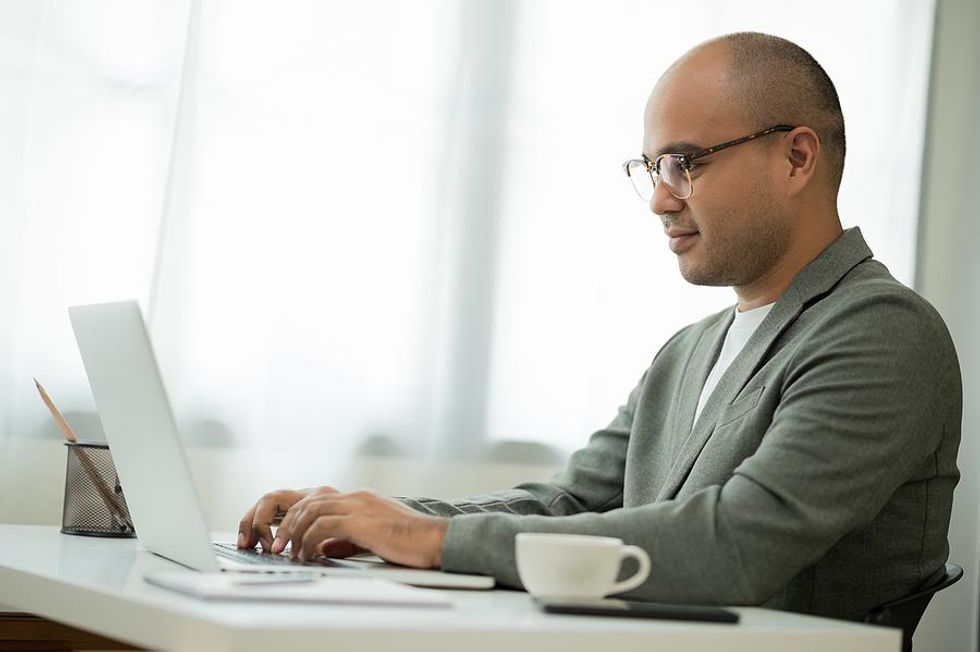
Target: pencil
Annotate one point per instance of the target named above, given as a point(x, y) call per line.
point(58, 419)
point(108, 497)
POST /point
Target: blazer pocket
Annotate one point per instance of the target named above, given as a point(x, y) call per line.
point(740, 407)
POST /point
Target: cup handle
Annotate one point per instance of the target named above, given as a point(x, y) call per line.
point(640, 576)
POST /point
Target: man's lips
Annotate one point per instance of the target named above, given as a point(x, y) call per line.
point(681, 239)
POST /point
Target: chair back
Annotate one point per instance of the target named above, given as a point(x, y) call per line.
point(906, 612)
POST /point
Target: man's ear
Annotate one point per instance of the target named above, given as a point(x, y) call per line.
point(801, 148)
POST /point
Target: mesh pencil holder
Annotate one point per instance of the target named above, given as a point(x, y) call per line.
point(94, 501)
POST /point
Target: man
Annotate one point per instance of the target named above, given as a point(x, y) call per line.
point(797, 452)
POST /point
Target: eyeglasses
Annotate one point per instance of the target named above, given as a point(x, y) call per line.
point(675, 169)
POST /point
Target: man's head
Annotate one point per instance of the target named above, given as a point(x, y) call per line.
point(758, 208)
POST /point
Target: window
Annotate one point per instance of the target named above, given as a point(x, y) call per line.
point(383, 225)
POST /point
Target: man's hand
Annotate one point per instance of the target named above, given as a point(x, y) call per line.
point(338, 525)
point(256, 525)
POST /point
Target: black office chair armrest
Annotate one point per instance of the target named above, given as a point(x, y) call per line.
point(906, 612)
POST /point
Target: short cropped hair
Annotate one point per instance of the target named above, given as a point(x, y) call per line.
point(778, 82)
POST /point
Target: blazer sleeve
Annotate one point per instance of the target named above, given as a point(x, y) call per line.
point(865, 400)
point(591, 482)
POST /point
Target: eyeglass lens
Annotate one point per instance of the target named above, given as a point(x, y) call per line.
point(672, 173)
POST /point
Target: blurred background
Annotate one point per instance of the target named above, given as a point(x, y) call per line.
point(398, 233)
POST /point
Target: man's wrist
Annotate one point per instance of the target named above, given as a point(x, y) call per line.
point(440, 525)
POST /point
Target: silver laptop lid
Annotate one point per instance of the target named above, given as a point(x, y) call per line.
point(141, 432)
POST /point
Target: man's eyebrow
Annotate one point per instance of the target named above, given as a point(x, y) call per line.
point(679, 147)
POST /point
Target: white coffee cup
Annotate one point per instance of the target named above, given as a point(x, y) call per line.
point(576, 565)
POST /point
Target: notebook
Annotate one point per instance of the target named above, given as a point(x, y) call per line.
point(294, 587)
point(152, 466)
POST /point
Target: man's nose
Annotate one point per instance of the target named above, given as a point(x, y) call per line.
point(663, 201)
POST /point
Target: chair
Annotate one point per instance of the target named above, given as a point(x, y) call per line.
point(906, 612)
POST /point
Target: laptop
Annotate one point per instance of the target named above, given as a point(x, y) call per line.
point(152, 466)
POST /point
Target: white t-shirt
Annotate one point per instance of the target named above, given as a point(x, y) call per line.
point(738, 334)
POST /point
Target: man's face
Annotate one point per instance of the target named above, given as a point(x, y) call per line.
point(732, 230)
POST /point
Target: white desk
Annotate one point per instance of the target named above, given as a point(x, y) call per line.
point(96, 585)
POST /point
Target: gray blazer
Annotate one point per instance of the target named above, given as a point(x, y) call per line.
point(818, 478)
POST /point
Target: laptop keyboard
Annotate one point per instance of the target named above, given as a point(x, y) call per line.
point(256, 556)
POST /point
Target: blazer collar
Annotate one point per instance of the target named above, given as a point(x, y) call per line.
point(828, 268)
point(823, 273)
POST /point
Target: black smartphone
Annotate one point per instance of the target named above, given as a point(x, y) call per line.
point(633, 609)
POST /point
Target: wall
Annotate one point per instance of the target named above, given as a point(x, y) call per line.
point(949, 276)
point(229, 480)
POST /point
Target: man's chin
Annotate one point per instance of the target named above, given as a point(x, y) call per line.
point(698, 276)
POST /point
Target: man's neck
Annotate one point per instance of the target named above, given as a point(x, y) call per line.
point(802, 251)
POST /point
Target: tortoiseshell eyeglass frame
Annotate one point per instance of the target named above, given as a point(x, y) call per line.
point(687, 160)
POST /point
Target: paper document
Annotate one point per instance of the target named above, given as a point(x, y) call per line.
point(294, 588)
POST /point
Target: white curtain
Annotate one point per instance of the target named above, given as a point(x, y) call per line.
point(387, 226)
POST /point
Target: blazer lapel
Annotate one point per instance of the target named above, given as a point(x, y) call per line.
point(728, 387)
point(699, 366)
point(818, 277)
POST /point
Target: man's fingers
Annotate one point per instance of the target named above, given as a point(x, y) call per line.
point(282, 534)
point(286, 525)
point(307, 514)
point(264, 514)
point(338, 548)
point(263, 533)
point(324, 527)
point(245, 529)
